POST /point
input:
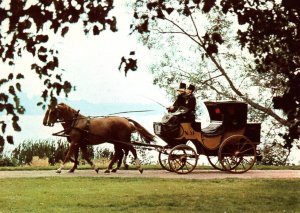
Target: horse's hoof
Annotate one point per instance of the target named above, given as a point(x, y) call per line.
point(107, 171)
point(97, 170)
point(114, 170)
point(71, 171)
point(126, 166)
point(141, 171)
point(58, 171)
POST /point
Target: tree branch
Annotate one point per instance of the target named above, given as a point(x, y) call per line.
point(227, 78)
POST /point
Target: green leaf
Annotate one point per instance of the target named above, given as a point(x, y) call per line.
point(9, 109)
point(11, 90)
point(16, 126)
point(43, 58)
point(3, 97)
point(208, 4)
point(41, 38)
point(19, 76)
point(1, 141)
point(18, 86)
point(10, 139)
point(3, 127)
point(96, 30)
point(10, 76)
point(3, 81)
point(64, 31)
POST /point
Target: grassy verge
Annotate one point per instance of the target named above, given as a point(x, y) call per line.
point(148, 195)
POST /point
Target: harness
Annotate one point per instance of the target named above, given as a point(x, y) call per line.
point(86, 129)
point(66, 132)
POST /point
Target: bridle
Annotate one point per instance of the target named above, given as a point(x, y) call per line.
point(58, 115)
point(51, 111)
point(67, 124)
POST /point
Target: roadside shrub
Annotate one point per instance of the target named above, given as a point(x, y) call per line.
point(100, 153)
point(274, 155)
point(6, 161)
point(53, 150)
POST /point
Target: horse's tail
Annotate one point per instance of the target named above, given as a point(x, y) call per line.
point(147, 136)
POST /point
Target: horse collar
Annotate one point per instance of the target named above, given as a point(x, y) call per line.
point(88, 123)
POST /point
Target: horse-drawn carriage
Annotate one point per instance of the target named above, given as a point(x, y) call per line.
point(229, 142)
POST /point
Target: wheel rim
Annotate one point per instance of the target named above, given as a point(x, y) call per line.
point(182, 159)
point(237, 154)
point(163, 160)
point(215, 163)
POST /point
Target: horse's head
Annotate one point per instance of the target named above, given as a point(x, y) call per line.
point(53, 114)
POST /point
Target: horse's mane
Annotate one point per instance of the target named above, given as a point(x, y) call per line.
point(67, 108)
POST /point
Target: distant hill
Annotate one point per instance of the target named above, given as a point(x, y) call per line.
point(93, 109)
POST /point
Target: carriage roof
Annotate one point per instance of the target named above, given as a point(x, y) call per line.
point(229, 112)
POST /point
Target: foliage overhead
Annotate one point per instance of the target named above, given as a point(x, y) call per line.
point(268, 30)
point(26, 27)
point(273, 37)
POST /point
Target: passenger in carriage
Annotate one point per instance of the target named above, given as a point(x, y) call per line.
point(180, 100)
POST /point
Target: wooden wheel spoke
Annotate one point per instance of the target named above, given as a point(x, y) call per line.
point(244, 144)
point(246, 150)
point(187, 162)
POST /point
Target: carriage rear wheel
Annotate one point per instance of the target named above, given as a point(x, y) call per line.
point(237, 154)
point(182, 159)
point(215, 163)
point(163, 159)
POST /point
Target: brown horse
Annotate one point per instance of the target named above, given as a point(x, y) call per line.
point(82, 131)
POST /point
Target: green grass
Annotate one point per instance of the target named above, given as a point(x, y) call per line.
point(148, 195)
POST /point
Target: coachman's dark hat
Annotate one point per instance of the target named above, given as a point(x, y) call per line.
point(191, 87)
point(182, 86)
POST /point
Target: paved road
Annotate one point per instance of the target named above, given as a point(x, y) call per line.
point(197, 174)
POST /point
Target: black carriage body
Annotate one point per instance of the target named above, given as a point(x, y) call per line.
point(229, 142)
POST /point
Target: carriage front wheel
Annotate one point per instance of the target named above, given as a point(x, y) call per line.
point(237, 154)
point(182, 159)
point(163, 159)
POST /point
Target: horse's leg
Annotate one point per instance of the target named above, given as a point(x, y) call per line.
point(72, 147)
point(136, 160)
point(86, 156)
point(75, 161)
point(113, 160)
point(126, 151)
point(120, 157)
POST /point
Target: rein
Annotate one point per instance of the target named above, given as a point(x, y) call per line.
point(147, 110)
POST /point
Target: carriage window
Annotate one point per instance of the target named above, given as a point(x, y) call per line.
point(202, 114)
